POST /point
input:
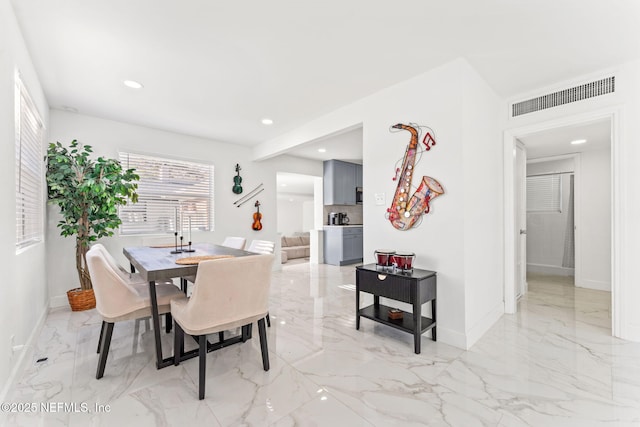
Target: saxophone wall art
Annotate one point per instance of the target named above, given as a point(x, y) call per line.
point(406, 208)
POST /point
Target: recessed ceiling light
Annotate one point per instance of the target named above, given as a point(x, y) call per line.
point(322, 150)
point(133, 84)
point(283, 185)
point(291, 200)
point(578, 141)
point(267, 122)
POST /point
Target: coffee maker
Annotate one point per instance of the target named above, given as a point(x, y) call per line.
point(333, 218)
point(343, 219)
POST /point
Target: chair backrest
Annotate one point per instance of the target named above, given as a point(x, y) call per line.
point(229, 290)
point(261, 246)
point(235, 242)
point(111, 260)
point(114, 297)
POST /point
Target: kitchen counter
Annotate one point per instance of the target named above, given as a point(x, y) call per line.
point(343, 226)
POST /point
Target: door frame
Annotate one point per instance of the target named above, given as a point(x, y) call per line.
point(521, 203)
point(509, 143)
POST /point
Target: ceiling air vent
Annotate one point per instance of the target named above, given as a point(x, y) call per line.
point(566, 96)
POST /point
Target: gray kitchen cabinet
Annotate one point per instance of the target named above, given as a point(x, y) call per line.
point(342, 245)
point(359, 176)
point(339, 187)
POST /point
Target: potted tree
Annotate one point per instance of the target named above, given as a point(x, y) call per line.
point(88, 193)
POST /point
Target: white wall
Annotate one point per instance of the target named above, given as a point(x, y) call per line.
point(291, 215)
point(483, 218)
point(308, 215)
point(108, 137)
point(462, 110)
point(595, 220)
point(546, 230)
point(24, 297)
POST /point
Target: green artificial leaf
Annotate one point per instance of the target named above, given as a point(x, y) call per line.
point(88, 193)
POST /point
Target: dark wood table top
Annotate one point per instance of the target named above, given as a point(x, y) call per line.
point(416, 273)
point(160, 264)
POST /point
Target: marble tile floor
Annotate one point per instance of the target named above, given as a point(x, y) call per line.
point(552, 364)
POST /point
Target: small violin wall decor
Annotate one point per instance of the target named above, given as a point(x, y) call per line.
point(257, 225)
point(237, 180)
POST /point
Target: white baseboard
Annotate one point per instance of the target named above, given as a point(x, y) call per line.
point(59, 301)
point(26, 349)
point(480, 328)
point(453, 338)
point(594, 284)
point(550, 269)
point(630, 332)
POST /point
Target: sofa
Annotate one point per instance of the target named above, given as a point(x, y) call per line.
point(297, 246)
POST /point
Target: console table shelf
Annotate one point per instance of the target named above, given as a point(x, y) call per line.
point(415, 288)
point(406, 324)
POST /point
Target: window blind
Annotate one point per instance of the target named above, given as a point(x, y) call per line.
point(168, 189)
point(544, 193)
point(29, 173)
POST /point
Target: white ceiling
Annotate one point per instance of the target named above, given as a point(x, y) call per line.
point(346, 146)
point(555, 142)
point(215, 69)
point(294, 186)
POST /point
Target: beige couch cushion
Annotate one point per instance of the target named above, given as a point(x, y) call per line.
point(292, 241)
point(306, 240)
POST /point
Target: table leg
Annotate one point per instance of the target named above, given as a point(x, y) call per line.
point(417, 321)
point(357, 309)
point(433, 316)
point(160, 362)
point(376, 301)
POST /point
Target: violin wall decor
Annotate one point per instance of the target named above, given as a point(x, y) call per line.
point(407, 208)
point(257, 225)
point(237, 180)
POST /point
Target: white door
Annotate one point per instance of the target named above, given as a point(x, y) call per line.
point(521, 219)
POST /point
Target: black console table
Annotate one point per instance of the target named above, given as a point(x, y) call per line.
point(415, 288)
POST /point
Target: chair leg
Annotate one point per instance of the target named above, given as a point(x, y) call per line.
point(168, 321)
point(104, 350)
point(101, 334)
point(221, 336)
point(202, 355)
point(178, 344)
point(268, 320)
point(262, 331)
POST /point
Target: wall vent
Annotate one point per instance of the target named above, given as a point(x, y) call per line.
point(566, 96)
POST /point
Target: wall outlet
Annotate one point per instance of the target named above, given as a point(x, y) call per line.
point(380, 199)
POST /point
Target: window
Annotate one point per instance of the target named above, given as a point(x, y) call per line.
point(29, 170)
point(168, 186)
point(544, 193)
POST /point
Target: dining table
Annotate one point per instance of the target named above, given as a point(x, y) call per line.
point(159, 263)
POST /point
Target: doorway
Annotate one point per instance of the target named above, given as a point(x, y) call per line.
point(297, 215)
point(551, 212)
point(584, 189)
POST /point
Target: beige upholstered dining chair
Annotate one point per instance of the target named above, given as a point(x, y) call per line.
point(229, 242)
point(235, 242)
point(228, 293)
point(118, 299)
point(261, 246)
point(131, 278)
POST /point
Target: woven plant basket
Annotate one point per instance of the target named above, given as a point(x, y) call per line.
point(80, 300)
